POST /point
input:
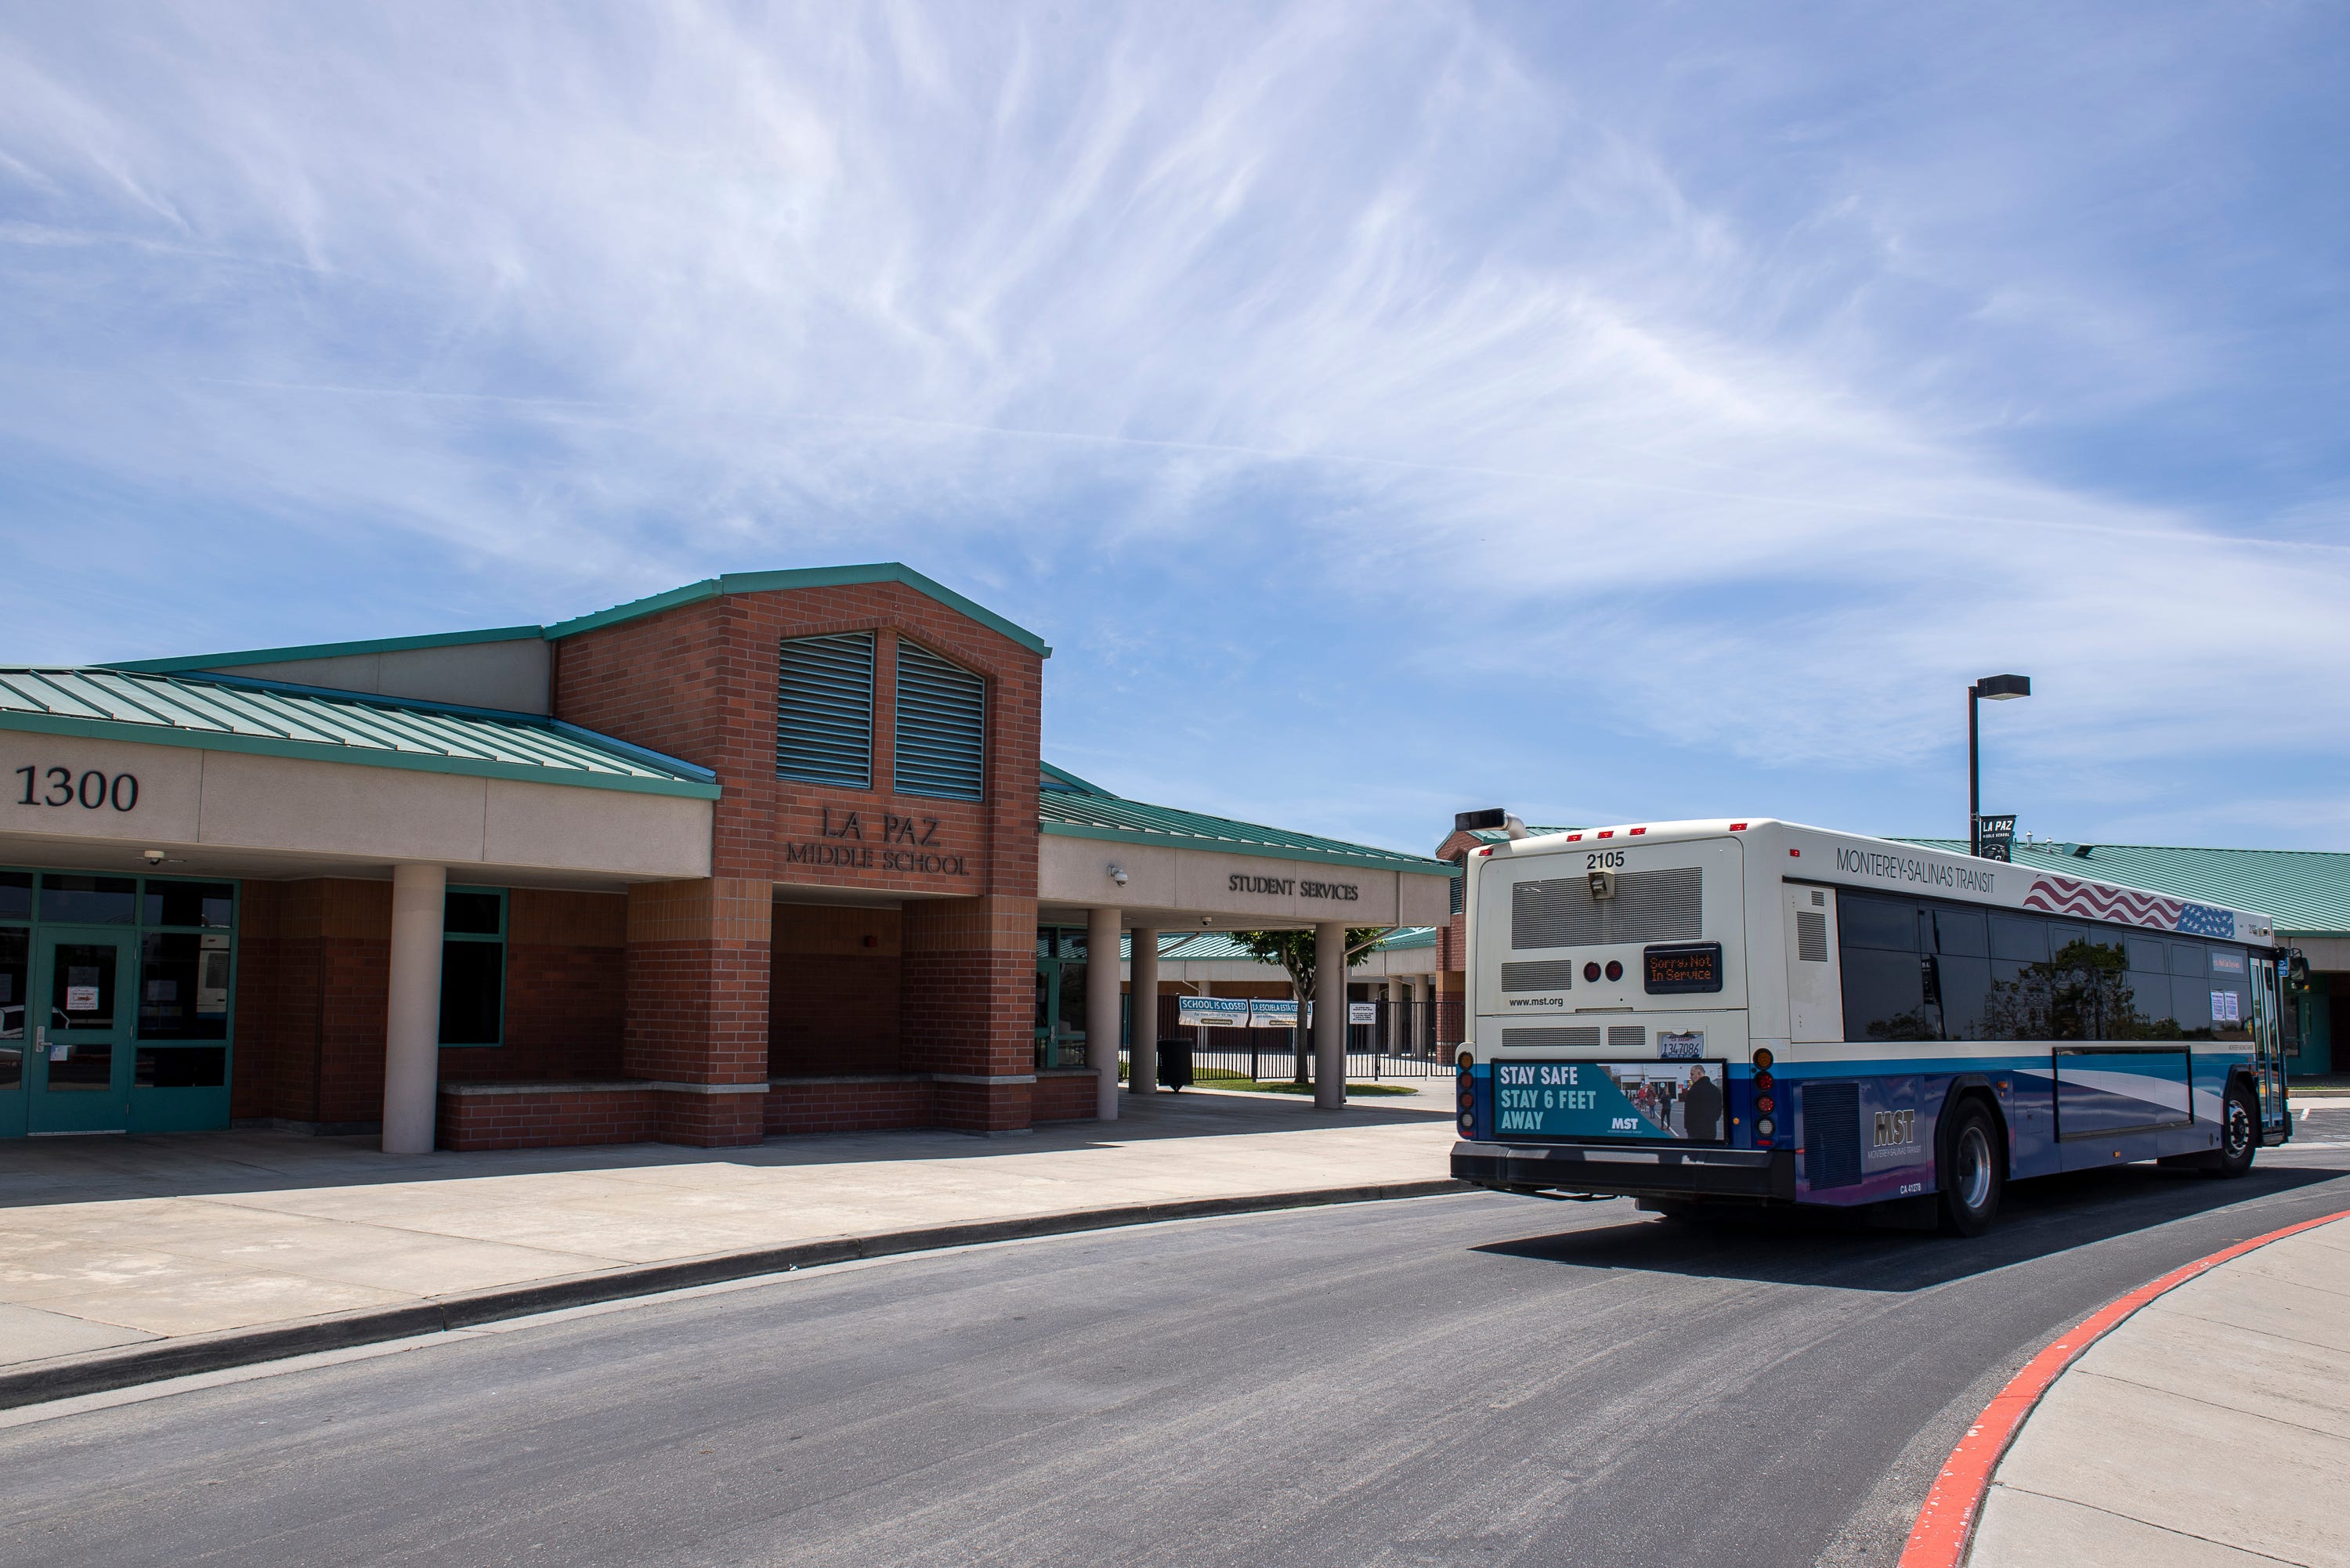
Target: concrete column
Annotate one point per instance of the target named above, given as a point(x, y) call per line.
point(1395, 1015)
point(1418, 1029)
point(1101, 1008)
point(412, 1043)
point(1143, 1079)
point(1329, 1016)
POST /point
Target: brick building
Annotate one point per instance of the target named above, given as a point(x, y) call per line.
point(771, 853)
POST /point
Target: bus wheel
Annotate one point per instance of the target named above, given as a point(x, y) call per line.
point(1968, 1171)
point(2240, 1134)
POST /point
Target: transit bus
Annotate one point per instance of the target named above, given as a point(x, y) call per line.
point(1699, 1015)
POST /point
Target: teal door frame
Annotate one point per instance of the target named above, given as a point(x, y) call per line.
point(72, 990)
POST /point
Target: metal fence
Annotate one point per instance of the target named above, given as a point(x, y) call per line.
point(1403, 1039)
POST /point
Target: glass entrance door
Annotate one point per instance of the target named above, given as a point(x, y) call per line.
point(76, 1073)
point(1060, 1012)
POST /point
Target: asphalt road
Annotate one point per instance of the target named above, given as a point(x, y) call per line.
point(1461, 1380)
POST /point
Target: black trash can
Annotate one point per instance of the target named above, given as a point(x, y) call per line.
point(1175, 1064)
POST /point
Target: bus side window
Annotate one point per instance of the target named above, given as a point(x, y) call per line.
point(2018, 947)
point(2020, 939)
point(1964, 943)
point(1883, 981)
point(2191, 989)
point(2149, 986)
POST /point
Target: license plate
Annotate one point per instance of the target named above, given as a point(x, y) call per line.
point(1649, 1101)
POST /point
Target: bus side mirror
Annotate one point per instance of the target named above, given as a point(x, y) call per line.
point(2297, 969)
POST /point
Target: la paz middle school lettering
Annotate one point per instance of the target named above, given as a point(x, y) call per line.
point(858, 856)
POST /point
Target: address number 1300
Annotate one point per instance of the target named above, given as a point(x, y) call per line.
point(93, 790)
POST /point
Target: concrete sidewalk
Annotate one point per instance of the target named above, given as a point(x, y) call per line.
point(107, 1242)
point(2212, 1426)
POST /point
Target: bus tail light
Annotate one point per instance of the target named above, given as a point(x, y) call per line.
point(1764, 1130)
point(1467, 1110)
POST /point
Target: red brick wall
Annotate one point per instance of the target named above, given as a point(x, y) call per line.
point(546, 1119)
point(697, 981)
point(822, 1107)
point(1058, 1098)
point(314, 967)
point(833, 993)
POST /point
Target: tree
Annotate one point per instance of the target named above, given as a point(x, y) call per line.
point(1294, 951)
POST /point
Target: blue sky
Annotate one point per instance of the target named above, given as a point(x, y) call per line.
point(1616, 411)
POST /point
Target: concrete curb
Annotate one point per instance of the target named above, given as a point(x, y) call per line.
point(100, 1371)
point(1943, 1535)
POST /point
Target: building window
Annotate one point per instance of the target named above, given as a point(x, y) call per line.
point(941, 737)
point(823, 709)
point(89, 901)
point(183, 972)
point(473, 967)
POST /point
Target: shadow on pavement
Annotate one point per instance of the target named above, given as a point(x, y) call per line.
point(2053, 1214)
point(35, 1172)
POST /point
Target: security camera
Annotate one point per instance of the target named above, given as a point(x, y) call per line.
point(153, 856)
point(1117, 874)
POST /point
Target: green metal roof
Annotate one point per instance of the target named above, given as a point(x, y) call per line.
point(804, 577)
point(231, 713)
point(2305, 891)
point(1093, 813)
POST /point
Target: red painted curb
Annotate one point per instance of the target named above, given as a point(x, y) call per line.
point(1946, 1524)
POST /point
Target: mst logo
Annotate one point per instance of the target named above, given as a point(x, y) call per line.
point(1894, 1129)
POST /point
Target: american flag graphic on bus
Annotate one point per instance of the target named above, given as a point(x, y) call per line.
point(2126, 905)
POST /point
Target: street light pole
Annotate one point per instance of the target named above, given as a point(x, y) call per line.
point(1974, 771)
point(1997, 689)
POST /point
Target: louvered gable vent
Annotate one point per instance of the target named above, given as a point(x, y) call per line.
point(823, 709)
point(942, 726)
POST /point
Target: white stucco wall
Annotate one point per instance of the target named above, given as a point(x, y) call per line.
point(343, 812)
point(1245, 886)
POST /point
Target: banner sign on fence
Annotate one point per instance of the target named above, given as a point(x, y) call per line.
point(1240, 1013)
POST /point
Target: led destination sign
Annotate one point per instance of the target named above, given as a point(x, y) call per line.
point(1681, 967)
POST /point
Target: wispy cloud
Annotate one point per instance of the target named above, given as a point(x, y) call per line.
point(1710, 396)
